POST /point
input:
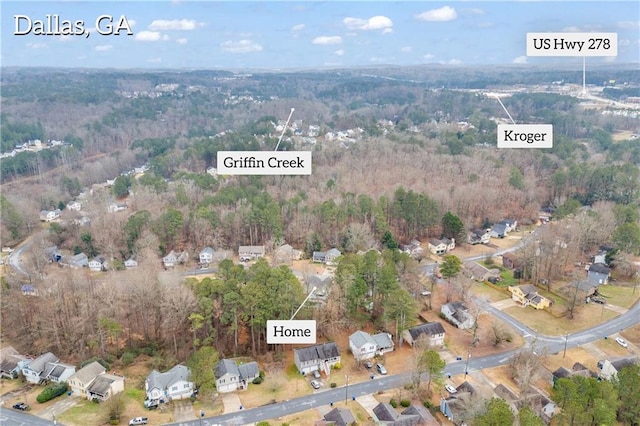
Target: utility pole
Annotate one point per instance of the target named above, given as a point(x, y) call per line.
point(346, 391)
point(566, 340)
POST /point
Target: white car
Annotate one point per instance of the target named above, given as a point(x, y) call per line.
point(621, 342)
point(450, 389)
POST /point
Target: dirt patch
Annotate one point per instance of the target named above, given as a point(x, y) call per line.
point(632, 334)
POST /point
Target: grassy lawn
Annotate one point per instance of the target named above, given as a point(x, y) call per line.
point(489, 292)
point(507, 278)
point(573, 355)
point(619, 296)
point(85, 413)
point(543, 322)
point(611, 347)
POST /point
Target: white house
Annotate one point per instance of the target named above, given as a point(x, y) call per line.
point(231, 377)
point(98, 264)
point(50, 215)
point(328, 257)
point(432, 333)
point(104, 386)
point(317, 358)
point(206, 255)
point(117, 207)
point(458, 314)
point(168, 386)
point(362, 345)
point(251, 252)
point(479, 236)
point(173, 258)
point(441, 246)
point(74, 205)
point(81, 379)
point(130, 263)
point(45, 368)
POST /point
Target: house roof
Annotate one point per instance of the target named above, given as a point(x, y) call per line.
point(341, 416)
point(172, 254)
point(505, 393)
point(38, 364)
point(322, 351)
point(466, 387)
point(10, 358)
point(561, 373)
point(251, 249)
point(385, 412)
point(423, 415)
point(383, 340)
point(226, 366)
point(206, 250)
point(248, 369)
point(455, 306)
point(164, 380)
point(430, 328)
point(622, 362)
point(499, 228)
point(361, 338)
point(528, 289)
point(89, 372)
point(434, 242)
point(102, 384)
point(333, 252)
point(56, 370)
point(600, 268)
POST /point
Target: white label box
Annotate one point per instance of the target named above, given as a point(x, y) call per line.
point(572, 44)
point(264, 162)
point(291, 331)
point(525, 136)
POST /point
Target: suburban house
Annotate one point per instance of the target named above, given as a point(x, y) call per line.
point(362, 345)
point(206, 255)
point(600, 257)
point(117, 207)
point(11, 362)
point(80, 381)
point(230, 376)
point(413, 415)
point(174, 258)
point(74, 205)
point(458, 314)
point(49, 215)
point(413, 249)
point(432, 333)
point(47, 368)
point(512, 261)
point(477, 272)
point(340, 417)
point(455, 406)
point(479, 236)
point(441, 246)
point(598, 273)
point(326, 257)
point(98, 264)
point(79, 260)
point(104, 386)
point(527, 295)
point(586, 288)
point(317, 358)
point(251, 252)
point(170, 385)
point(285, 254)
point(609, 368)
point(384, 343)
point(578, 369)
point(131, 262)
point(28, 290)
point(502, 228)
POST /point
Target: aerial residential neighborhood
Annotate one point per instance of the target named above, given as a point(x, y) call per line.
point(434, 207)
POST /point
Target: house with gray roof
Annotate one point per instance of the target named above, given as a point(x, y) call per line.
point(598, 274)
point(340, 417)
point(609, 368)
point(79, 260)
point(317, 358)
point(80, 381)
point(231, 377)
point(365, 346)
point(170, 385)
point(104, 387)
point(11, 362)
point(458, 314)
point(58, 372)
point(34, 371)
point(432, 333)
point(251, 252)
point(329, 257)
point(206, 255)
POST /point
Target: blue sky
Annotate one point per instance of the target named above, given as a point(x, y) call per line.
point(288, 34)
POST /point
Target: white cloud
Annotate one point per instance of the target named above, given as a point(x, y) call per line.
point(37, 45)
point(428, 56)
point(445, 13)
point(154, 60)
point(132, 22)
point(406, 49)
point(181, 41)
point(165, 37)
point(175, 25)
point(454, 62)
point(373, 23)
point(327, 40)
point(629, 25)
point(339, 52)
point(298, 27)
point(148, 36)
point(387, 31)
point(520, 60)
point(242, 46)
point(104, 48)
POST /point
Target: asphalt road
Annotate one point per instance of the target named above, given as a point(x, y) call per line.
point(15, 260)
point(10, 417)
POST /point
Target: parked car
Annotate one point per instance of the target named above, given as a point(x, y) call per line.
point(368, 365)
point(599, 300)
point(450, 389)
point(316, 374)
point(381, 369)
point(315, 384)
point(621, 342)
point(138, 421)
point(425, 293)
point(21, 406)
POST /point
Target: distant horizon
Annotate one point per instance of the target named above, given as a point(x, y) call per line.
point(285, 35)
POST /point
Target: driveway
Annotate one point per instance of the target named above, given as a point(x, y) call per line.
point(368, 402)
point(504, 304)
point(57, 408)
point(231, 402)
point(183, 411)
